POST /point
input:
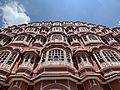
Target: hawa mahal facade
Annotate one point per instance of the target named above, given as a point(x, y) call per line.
point(59, 56)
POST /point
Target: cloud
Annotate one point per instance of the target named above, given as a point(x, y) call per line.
point(118, 22)
point(13, 14)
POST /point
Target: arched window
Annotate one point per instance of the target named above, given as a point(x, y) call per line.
point(81, 57)
point(109, 38)
point(84, 37)
point(56, 55)
point(20, 38)
point(111, 55)
point(29, 58)
point(3, 55)
point(40, 39)
point(83, 29)
point(92, 37)
point(56, 37)
point(28, 38)
point(74, 38)
point(30, 29)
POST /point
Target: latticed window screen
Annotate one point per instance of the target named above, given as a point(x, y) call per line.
point(20, 38)
point(56, 37)
point(81, 56)
point(28, 38)
point(109, 38)
point(79, 59)
point(38, 38)
point(83, 29)
point(30, 29)
point(57, 29)
point(4, 38)
point(30, 57)
point(111, 55)
point(56, 55)
point(92, 37)
point(43, 57)
point(84, 37)
point(11, 59)
point(3, 55)
point(1, 38)
point(99, 57)
point(68, 56)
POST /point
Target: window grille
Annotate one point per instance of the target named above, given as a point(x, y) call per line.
point(56, 55)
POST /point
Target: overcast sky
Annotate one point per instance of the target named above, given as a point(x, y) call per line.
point(103, 12)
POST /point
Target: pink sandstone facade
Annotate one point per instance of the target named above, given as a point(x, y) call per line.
point(59, 56)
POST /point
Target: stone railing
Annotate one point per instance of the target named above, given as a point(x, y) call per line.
point(110, 64)
point(84, 65)
point(55, 64)
point(26, 66)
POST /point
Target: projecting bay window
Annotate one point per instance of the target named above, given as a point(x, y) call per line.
point(110, 40)
point(56, 55)
point(7, 58)
point(74, 40)
point(90, 39)
point(28, 61)
point(24, 39)
point(82, 60)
